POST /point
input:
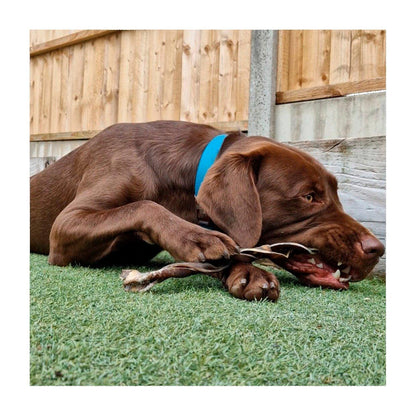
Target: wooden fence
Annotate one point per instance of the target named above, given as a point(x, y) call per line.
point(83, 81)
point(329, 63)
point(81, 84)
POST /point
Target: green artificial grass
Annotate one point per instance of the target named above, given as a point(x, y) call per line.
point(86, 330)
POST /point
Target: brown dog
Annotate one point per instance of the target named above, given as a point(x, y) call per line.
point(128, 193)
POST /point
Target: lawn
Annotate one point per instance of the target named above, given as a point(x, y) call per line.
point(86, 330)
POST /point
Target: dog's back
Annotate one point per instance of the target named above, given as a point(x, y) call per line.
point(130, 149)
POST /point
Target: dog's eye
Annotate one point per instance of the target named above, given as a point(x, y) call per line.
point(309, 197)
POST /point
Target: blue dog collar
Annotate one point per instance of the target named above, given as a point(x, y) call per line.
point(208, 157)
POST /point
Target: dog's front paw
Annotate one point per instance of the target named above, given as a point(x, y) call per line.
point(197, 244)
point(252, 283)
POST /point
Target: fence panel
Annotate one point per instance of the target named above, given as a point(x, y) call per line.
point(84, 81)
point(329, 63)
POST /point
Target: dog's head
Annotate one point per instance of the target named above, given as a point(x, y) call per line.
point(262, 192)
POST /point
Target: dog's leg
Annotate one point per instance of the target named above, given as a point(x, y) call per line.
point(84, 232)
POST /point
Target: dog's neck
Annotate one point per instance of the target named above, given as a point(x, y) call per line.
point(208, 158)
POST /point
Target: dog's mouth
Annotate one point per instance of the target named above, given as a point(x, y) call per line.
point(312, 270)
point(309, 265)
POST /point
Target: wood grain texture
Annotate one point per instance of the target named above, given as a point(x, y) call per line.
point(67, 40)
point(41, 36)
point(111, 79)
point(315, 63)
point(228, 76)
point(243, 75)
point(171, 75)
point(90, 79)
point(76, 69)
point(329, 91)
point(133, 81)
point(209, 76)
point(191, 61)
point(283, 60)
point(340, 56)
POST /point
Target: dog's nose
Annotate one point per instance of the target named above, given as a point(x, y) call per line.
point(372, 246)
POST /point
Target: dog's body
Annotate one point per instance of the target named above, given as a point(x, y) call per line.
point(129, 193)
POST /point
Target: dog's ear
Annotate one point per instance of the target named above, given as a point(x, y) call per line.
point(230, 198)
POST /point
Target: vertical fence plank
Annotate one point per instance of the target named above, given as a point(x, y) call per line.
point(355, 65)
point(86, 99)
point(381, 55)
point(190, 75)
point(35, 91)
point(46, 94)
point(98, 110)
point(157, 44)
point(76, 69)
point(340, 56)
point(56, 91)
point(126, 53)
point(111, 79)
point(209, 76)
point(282, 82)
point(134, 79)
point(227, 80)
point(315, 58)
point(372, 47)
point(243, 77)
point(294, 81)
point(65, 78)
point(324, 39)
point(310, 58)
point(139, 77)
point(171, 76)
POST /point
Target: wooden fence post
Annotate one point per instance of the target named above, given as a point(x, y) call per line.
point(263, 69)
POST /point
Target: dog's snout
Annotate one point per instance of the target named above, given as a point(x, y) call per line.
point(372, 247)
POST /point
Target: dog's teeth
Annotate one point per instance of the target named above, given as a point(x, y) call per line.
point(339, 263)
point(344, 279)
point(311, 260)
point(346, 270)
point(337, 274)
point(320, 265)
